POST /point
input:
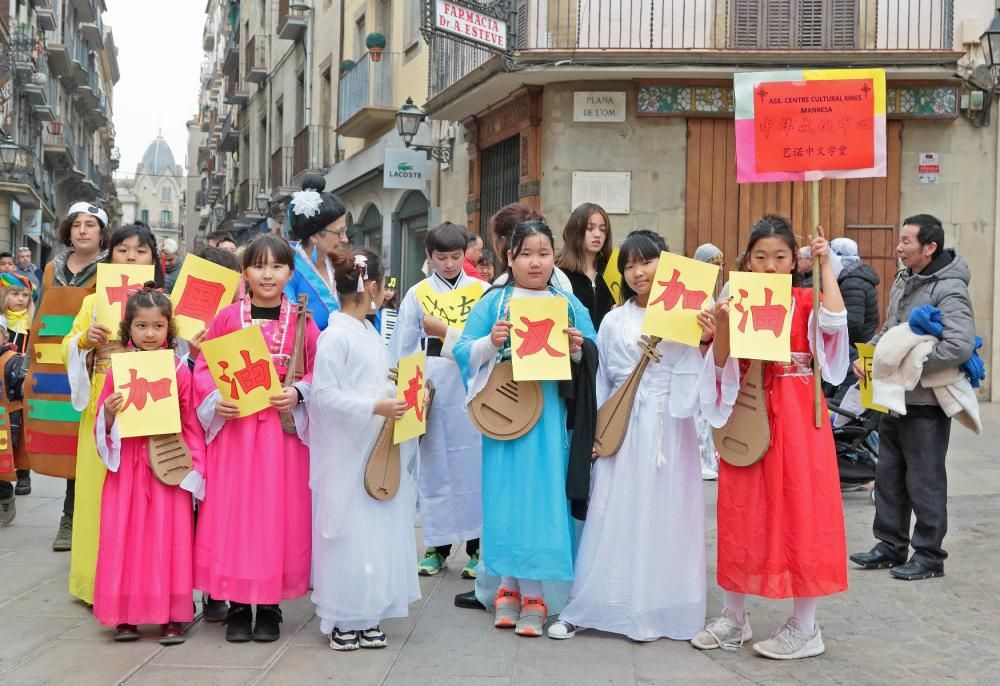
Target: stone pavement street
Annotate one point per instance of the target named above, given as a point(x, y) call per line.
point(880, 631)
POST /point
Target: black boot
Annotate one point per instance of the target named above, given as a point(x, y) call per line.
point(238, 623)
point(23, 486)
point(214, 610)
point(266, 628)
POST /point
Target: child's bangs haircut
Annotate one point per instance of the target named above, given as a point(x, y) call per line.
point(147, 299)
point(268, 247)
point(772, 226)
point(446, 237)
point(639, 246)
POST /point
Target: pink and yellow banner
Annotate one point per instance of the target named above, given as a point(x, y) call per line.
point(810, 124)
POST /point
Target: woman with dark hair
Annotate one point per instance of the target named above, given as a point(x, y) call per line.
point(318, 222)
point(84, 232)
point(501, 229)
point(584, 255)
point(87, 350)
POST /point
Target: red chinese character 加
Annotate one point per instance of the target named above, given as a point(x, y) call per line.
point(200, 299)
point(674, 291)
point(253, 375)
point(121, 294)
point(139, 389)
point(413, 395)
point(535, 338)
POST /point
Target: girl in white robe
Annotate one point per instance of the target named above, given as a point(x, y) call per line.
point(364, 550)
point(640, 569)
point(449, 469)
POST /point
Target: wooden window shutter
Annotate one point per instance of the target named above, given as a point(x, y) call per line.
point(843, 21)
point(521, 40)
point(746, 24)
point(779, 24)
point(810, 24)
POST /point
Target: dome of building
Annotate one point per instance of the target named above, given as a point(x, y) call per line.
point(158, 157)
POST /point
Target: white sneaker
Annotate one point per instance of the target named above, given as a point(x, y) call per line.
point(344, 640)
point(561, 630)
point(790, 642)
point(372, 638)
point(728, 632)
point(709, 474)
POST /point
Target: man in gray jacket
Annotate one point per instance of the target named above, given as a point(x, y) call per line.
point(911, 476)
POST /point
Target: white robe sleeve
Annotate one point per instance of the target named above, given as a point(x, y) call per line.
point(833, 349)
point(718, 388)
point(299, 413)
point(210, 421)
point(79, 377)
point(482, 358)
point(109, 442)
point(409, 331)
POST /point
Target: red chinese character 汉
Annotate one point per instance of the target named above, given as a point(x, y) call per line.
point(121, 294)
point(253, 375)
point(535, 338)
point(414, 396)
point(766, 317)
point(200, 299)
point(140, 388)
point(674, 291)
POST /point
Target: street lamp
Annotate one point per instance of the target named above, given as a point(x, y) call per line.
point(16, 159)
point(409, 117)
point(220, 213)
point(991, 43)
point(262, 202)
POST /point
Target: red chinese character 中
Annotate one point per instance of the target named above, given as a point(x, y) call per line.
point(674, 291)
point(255, 374)
point(120, 294)
point(535, 338)
point(200, 299)
point(414, 396)
point(139, 389)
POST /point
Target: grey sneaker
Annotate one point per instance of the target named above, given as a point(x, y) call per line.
point(561, 630)
point(506, 608)
point(532, 620)
point(728, 632)
point(790, 642)
point(7, 511)
point(64, 539)
point(373, 638)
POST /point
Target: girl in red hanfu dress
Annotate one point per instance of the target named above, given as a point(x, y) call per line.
point(253, 541)
point(144, 559)
point(780, 520)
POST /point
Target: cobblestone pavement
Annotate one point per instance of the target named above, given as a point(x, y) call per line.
point(880, 631)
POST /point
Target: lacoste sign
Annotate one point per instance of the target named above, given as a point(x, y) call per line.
point(404, 169)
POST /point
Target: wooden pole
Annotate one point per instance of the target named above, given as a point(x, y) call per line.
point(817, 377)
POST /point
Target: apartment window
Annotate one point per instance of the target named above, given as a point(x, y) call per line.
point(165, 194)
point(326, 115)
point(794, 24)
point(144, 216)
point(165, 218)
point(300, 101)
point(412, 33)
point(359, 36)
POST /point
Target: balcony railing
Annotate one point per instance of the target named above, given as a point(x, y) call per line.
point(307, 152)
point(281, 167)
point(255, 59)
point(231, 55)
point(229, 140)
point(367, 85)
point(246, 196)
point(291, 21)
point(710, 25)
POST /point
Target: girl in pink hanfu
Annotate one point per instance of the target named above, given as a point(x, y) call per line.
point(144, 559)
point(255, 522)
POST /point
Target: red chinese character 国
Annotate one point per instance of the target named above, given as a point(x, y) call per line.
point(139, 389)
point(414, 394)
point(200, 299)
point(120, 294)
point(255, 374)
point(535, 338)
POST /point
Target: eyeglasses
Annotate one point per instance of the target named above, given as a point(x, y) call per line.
point(339, 233)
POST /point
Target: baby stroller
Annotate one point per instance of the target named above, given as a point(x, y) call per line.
point(856, 441)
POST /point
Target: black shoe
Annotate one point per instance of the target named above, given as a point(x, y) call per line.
point(916, 571)
point(214, 610)
point(23, 486)
point(265, 628)
point(875, 559)
point(468, 601)
point(238, 622)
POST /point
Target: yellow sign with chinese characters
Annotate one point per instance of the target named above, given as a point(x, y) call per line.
point(411, 386)
point(612, 277)
point(760, 316)
point(242, 369)
point(451, 307)
point(148, 381)
point(866, 353)
point(681, 289)
point(202, 289)
point(116, 283)
point(539, 344)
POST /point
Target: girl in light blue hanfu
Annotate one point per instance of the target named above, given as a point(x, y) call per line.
point(528, 533)
point(318, 221)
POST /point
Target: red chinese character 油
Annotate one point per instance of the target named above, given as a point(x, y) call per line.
point(255, 374)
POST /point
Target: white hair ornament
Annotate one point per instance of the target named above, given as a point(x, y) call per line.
point(306, 203)
point(361, 262)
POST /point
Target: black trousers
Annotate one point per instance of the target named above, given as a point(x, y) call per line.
point(911, 479)
point(471, 547)
point(70, 499)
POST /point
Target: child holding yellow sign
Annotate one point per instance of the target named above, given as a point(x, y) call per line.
point(431, 318)
point(780, 519)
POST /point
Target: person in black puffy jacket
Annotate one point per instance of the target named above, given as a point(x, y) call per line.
point(858, 284)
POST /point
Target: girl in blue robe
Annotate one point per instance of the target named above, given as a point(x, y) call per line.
point(528, 533)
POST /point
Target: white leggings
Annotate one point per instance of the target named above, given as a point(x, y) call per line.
point(529, 588)
point(803, 609)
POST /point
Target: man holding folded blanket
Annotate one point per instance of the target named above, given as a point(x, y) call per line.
point(911, 476)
